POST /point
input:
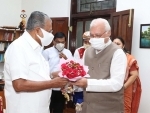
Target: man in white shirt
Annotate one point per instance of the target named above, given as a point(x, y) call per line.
point(78, 55)
point(107, 67)
point(27, 77)
point(53, 56)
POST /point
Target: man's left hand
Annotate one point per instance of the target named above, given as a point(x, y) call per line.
point(61, 55)
point(80, 83)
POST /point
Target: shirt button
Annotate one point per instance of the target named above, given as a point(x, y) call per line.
point(92, 68)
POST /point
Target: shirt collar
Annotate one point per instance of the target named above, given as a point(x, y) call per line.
point(33, 43)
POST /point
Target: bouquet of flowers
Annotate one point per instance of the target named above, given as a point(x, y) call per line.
point(73, 71)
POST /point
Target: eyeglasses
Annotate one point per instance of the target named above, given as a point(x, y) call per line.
point(51, 31)
point(98, 36)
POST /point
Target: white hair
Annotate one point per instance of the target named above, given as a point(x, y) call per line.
point(100, 20)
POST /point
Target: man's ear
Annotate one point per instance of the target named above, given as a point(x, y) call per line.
point(106, 39)
point(53, 42)
point(123, 47)
point(108, 32)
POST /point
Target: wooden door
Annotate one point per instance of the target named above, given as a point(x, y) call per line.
point(121, 26)
point(59, 24)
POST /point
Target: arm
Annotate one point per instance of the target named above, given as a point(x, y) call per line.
point(117, 74)
point(19, 66)
point(133, 74)
point(66, 54)
point(23, 85)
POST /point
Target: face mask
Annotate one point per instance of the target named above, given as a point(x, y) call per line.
point(47, 37)
point(86, 45)
point(98, 43)
point(60, 47)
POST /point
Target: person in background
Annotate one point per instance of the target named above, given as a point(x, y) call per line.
point(107, 67)
point(27, 79)
point(53, 55)
point(132, 84)
point(78, 55)
point(79, 52)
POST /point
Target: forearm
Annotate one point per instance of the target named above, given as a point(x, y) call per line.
point(130, 81)
point(22, 85)
point(103, 85)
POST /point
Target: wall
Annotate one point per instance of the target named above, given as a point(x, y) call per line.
point(10, 12)
point(9, 15)
point(141, 16)
point(54, 8)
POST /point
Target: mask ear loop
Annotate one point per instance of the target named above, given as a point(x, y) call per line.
point(106, 40)
point(124, 49)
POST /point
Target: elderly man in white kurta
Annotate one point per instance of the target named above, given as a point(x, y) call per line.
point(107, 67)
point(27, 81)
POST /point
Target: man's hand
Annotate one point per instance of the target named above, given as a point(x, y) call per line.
point(62, 55)
point(80, 83)
point(54, 74)
point(59, 82)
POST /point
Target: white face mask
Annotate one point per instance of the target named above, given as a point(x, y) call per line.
point(47, 37)
point(98, 43)
point(60, 46)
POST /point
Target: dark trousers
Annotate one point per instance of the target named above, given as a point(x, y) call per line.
point(78, 97)
point(57, 102)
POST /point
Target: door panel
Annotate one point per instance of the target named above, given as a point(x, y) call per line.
point(59, 24)
point(79, 34)
point(120, 28)
point(87, 25)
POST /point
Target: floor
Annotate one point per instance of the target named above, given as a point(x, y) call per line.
point(69, 108)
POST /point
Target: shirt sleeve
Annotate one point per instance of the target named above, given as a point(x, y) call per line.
point(133, 67)
point(117, 74)
point(17, 63)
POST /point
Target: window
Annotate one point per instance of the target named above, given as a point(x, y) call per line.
point(93, 5)
point(82, 13)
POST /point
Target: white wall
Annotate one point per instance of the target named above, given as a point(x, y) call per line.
point(10, 11)
point(53, 8)
point(141, 16)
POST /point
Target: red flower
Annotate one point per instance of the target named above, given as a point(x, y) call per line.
point(72, 69)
